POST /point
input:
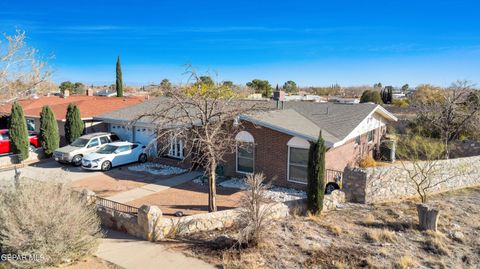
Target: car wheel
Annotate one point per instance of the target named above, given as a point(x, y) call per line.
point(331, 187)
point(106, 165)
point(77, 160)
point(142, 158)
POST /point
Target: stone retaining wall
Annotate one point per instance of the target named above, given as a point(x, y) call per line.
point(385, 183)
point(151, 225)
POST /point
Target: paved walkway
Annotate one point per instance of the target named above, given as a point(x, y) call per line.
point(157, 186)
point(131, 253)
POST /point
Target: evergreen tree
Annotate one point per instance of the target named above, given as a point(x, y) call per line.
point(19, 142)
point(316, 176)
point(73, 125)
point(119, 81)
point(49, 135)
point(371, 96)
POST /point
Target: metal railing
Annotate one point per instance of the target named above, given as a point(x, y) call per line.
point(333, 176)
point(105, 203)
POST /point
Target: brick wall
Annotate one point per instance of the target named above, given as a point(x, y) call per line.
point(271, 154)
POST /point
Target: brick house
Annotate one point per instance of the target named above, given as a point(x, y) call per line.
point(89, 106)
point(275, 142)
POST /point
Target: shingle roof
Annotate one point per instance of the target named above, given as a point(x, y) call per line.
point(299, 118)
point(89, 106)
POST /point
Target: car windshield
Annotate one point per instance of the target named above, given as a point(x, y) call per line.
point(108, 149)
point(80, 142)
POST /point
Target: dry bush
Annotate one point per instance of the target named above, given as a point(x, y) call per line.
point(435, 243)
point(381, 235)
point(255, 211)
point(367, 162)
point(406, 262)
point(402, 103)
point(45, 219)
point(334, 229)
point(370, 219)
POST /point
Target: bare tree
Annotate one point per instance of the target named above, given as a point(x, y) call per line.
point(450, 113)
point(419, 158)
point(21, 67)
point(255, 211)
point(204, 116)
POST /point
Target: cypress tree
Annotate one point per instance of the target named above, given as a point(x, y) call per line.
point(73, 125)
point(19, 142)
point(49, 136)
point(119, 81)
point(316, 176)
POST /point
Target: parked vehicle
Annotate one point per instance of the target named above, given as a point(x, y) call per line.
point(115, 154)
point(5, 141)
point(83, 146)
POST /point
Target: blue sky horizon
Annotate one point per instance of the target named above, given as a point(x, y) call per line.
point(314, 43)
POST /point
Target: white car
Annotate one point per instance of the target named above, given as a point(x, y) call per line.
point(114, 154)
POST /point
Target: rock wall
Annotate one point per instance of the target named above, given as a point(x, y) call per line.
point(385, 183)
point(9, 161)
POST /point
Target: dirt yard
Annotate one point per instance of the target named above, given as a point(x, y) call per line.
point(90, 263)
point(190, 198)
point(359, 236)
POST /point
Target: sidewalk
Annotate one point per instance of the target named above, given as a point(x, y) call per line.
point(152, 188)
point(131, 253)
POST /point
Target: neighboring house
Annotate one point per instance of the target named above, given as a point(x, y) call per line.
point(89, 106)
point(275, 142)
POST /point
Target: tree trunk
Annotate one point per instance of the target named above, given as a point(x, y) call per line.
point(428, 217)
point(212, 205)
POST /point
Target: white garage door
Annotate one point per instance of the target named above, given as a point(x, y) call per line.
point(146, 136)
point(123, 131)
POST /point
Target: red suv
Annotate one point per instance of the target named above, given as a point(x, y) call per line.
point(5, 141)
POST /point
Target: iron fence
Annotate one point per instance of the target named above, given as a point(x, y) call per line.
point(333, 176)
point(105, 203)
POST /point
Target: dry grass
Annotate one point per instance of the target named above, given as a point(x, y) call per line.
point(334, 229)
point(406, 262)
point(381, 235)
point(366, 162)
point(436, 243)
point(369, 219)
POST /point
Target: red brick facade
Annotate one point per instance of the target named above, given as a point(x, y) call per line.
point(271, 154)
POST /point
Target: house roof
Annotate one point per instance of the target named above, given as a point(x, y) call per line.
point(89, 106)
point(303, 119)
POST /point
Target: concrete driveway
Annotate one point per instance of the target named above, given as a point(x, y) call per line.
point(47, 169)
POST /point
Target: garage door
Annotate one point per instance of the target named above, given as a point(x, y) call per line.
point(146, 136)
point(123, 131)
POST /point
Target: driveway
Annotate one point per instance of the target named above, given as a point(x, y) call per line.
point(131, 253)
point(48, 169)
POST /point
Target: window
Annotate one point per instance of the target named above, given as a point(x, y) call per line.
point(245, 160)
point(31, 125)
point(245, 152)
point(123, 148)
point(298, 160)
point(370, 135)
point(297, 165)
point(176, 148)
point(104, 140)
point(93, 143)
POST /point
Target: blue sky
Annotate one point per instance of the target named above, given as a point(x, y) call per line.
point(311, 42)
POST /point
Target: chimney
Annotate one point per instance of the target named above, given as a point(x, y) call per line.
point(89, 92)
point(66, 93)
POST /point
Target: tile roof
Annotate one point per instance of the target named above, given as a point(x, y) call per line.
point(89, 106)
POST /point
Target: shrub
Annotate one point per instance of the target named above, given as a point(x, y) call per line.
point(73, 124)
point(49, 136)
point(18, 132)
point(367, 161)
point(371, 96)
point(46, 219)
point(316, 174)
point(401, 103)
point(254, 212)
